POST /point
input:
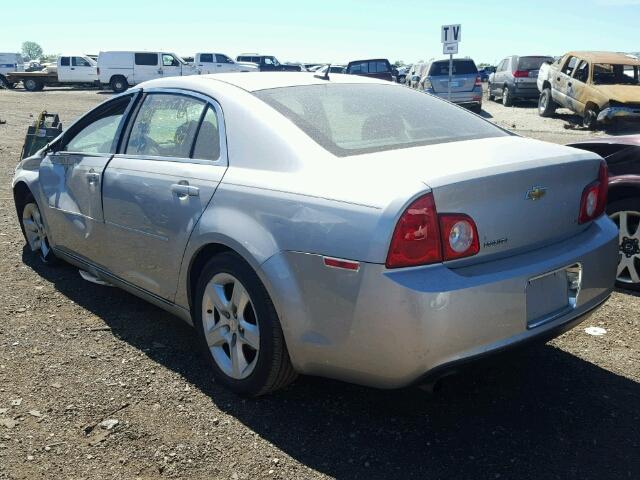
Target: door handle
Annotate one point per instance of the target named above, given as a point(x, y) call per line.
point(184, 190)
point(93, 178)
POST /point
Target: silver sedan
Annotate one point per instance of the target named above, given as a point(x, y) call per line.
point(344, 226)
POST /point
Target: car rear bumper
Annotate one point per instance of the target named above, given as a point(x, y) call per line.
point(526, 91)
point(390, 328)
point(473, 97)
point(612, 113)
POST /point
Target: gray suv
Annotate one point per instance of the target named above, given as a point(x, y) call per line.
point(466, 86)
point(515, 79)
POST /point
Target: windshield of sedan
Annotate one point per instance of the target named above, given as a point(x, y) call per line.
point(351, 119)
point(612, 74)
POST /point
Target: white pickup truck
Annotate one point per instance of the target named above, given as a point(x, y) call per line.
point(221, 63)
point(70, 70)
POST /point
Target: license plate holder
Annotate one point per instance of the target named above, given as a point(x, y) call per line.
point(552, 294)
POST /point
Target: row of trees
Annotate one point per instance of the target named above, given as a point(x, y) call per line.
point(33, 51)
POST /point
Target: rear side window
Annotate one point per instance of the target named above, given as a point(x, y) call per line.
point(460, 67)
point(165, 126)
point(80, 62)
point(99, 134)
point(64, 61)
point(360, 67)
point(146, 58)
point(207, 145)
point(223, 59)
point(351, 119)
point(532, 63)
point(206, 57)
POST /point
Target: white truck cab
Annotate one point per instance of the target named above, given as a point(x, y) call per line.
point(10, 62)
point(77, 69)
point(120, 70)
point(220, 63)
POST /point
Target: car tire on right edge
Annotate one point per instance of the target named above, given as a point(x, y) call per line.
point(239, 329)
point(626, 215)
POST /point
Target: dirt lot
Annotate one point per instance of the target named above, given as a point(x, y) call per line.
point(74, 354)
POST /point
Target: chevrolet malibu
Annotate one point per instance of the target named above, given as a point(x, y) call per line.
point(345, 227)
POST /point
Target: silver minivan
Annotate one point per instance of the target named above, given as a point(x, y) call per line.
point(466, 85)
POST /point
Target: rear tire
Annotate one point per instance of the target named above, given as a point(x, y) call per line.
point(627, 211)
point(507, 100)
point(546, 105)
point(118, 84)
point(490, 96)
point(33, 85)
point(247, 363)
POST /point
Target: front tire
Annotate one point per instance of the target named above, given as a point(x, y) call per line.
point(546, 105)
point(626, 215)
point(590, 118)
point(35, 232)
point(239, 329)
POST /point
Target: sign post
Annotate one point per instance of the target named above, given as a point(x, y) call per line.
point(450, 35)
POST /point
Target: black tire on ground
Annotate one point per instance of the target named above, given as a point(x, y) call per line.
point(546, 105)
point(613, 208)
point(118, 83)
point(47, 257)
point(273, 369)
point(6, 83)
point(507, 99)
point(490, 96)
point(590, 118)
point(33, 84)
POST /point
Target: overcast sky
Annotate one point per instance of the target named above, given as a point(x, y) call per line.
point(326, 30)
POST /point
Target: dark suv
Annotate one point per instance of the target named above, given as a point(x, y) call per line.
point(267, 63)
point(376, 68)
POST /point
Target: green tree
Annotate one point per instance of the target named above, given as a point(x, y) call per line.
point(398, 63)
point(31, 50)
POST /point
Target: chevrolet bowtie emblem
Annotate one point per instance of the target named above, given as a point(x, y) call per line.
point(536, 193)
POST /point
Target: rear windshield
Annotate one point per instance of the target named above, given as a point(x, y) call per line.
point(532, 63)
point(460, 67)
point(351, 119)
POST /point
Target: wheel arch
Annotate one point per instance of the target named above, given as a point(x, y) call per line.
point(622, 191)
point(21, 193)
point(546, 84)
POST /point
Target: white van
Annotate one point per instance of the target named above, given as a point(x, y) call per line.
point(10, 62)
point(221, 63)
point(120, 70)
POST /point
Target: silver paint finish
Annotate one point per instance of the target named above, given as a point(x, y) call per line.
point(282, 202)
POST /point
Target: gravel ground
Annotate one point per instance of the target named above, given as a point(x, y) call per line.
point(95, 383)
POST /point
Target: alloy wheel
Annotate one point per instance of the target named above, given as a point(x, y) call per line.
point(35, 230)
point(231, 326)
point(628, 223)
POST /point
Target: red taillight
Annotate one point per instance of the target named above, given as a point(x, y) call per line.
point(478, 81)
point(459, 236)
point(422, 236)
point(521, 73)
point(594, 196)
point(416, 238)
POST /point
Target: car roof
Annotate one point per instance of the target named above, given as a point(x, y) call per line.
point(254, 81)
point(370, 60)
point(606, 57)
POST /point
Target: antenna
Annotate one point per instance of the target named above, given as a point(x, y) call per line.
point(326, 74)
